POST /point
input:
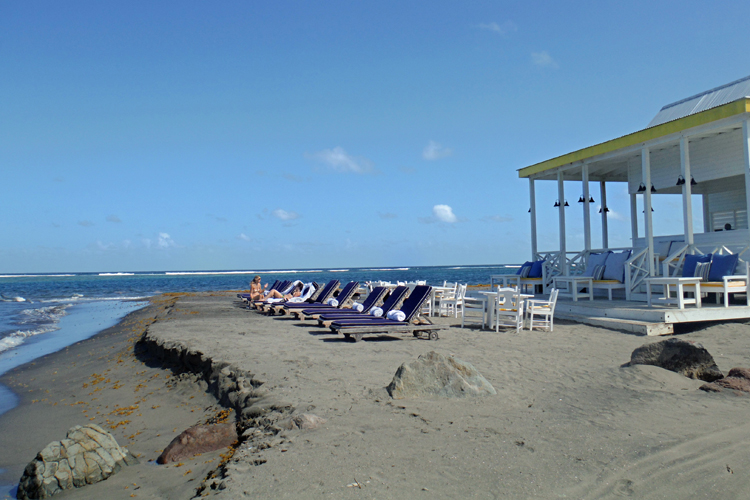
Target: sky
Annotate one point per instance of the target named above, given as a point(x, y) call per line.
point(147, 136)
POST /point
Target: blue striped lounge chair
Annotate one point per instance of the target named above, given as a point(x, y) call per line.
point(391, 302)
point(325, 294)
point(246, 296)
point(356, 329)
point(315, 310)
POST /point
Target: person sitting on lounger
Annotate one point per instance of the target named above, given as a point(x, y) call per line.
point(296, 292)
point(256, 290)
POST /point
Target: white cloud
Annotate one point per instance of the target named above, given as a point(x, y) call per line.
point(113, 218)
point(501, 29)
point(341, 161)
point(444, 213)
point(85, 223)
point(543, 59)
point(243, 237)
point(165, 241)
point(434, 151)
point(284, 215)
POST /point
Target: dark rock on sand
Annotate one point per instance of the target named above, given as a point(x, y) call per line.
point(198, 439)
point(305, 421)
point(433, 374)
point(738, 379)
point(87, 455)
point(682, 356)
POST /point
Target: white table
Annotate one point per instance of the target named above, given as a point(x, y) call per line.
point(681, 285)
point(491, 300)
point(573, 283)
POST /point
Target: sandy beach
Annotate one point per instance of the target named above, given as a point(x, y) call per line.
point(568, 421)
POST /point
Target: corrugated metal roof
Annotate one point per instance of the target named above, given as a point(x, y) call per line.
point(703, 101)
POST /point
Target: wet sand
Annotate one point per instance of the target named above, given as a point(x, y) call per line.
point(568, 420)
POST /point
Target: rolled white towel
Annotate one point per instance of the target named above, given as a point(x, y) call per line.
point(358, 307)
point(376, 311)
point(273, 301)
point(296, 300)
point(332, 302)
point(397, 315)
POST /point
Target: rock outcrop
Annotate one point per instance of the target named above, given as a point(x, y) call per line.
point(738, 379)
point(87, 455)
point(682, 356)
point(433, 374)
point(198, 439)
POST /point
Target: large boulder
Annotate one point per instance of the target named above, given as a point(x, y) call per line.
point(433, 374)
point(738, 379)
point(198, 439)
point(682, 356)
point(87, 455)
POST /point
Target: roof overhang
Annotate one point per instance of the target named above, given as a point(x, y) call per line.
point(641, 138)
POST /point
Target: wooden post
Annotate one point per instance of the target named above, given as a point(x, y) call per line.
point(586, 211)
point(605, 229)
point(746, 151)
point(563, 248)
point(532, 201)
point(687, 194)
point(648, 220)
point(633, 218)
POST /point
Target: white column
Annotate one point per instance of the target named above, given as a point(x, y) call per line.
point(532, 201)
point(746, 150)
point(605, 229)
point(586, 211)
point(647, 219)
point(561, 208)
point(633, 218)
point(687, 194)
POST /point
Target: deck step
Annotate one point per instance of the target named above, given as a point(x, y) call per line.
point(625, 325)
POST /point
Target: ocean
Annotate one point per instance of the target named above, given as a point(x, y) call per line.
point(43, 313)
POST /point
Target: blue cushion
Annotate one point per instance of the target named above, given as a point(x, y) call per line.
point(595, 259)
point(528, 263)
point(536, 269)
point(722, 265)
point(688, 267)
point(615, 266)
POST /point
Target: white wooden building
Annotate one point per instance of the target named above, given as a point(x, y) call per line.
point(703, 140)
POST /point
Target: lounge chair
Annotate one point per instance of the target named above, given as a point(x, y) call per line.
point(246, 296)
point(315, 310)
point(283, 287)
point(391, 303)
point(325, 294)
point(356, 329)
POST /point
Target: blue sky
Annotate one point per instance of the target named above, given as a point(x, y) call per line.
point(140, 136)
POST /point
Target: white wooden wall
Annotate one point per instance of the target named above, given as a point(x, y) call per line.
point(714, 157)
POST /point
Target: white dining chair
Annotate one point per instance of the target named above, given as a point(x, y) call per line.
point(509, 310)
point(542, 312)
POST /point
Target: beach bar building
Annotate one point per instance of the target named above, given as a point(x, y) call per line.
point(698, 147)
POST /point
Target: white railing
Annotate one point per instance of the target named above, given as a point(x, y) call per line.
point(636, 267)
point(636, 271)
point(672, 265)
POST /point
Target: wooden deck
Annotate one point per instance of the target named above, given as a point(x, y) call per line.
point(637, 317)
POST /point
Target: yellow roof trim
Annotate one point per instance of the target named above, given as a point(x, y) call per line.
point(710, 115)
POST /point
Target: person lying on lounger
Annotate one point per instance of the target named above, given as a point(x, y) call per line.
point(296, 292)
point(256, 290)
